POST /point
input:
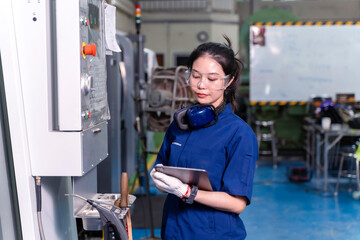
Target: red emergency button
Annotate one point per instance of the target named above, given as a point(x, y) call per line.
point(89, 49)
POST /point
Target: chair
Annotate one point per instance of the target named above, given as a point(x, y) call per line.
point(349, 173)
point(265, 133)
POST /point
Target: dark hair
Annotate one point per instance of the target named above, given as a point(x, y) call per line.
point(224, 55)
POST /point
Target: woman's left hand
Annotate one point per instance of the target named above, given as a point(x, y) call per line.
point(169, 184)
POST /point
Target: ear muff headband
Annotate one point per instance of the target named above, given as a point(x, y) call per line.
point(181, 119)
point(198, 116)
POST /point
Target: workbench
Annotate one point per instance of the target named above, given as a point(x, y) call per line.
point(325, 140)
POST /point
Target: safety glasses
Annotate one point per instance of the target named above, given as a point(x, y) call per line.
point(212, 81)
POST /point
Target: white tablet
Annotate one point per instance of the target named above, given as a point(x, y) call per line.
point(191, 176)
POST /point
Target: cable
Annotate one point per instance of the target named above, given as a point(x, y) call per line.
point(38, 206)
point(42, 235)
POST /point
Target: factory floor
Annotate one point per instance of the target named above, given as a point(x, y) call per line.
point(281, 209)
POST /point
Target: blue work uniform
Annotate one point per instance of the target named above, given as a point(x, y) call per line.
point(228, 150)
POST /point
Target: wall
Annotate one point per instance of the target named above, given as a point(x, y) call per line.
point(171, 27)
point(125, 15)
point(172, 34)
point(307, 10)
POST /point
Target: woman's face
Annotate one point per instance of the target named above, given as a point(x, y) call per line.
point(207, 81)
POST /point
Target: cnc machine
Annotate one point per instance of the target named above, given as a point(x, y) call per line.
point(55, 81)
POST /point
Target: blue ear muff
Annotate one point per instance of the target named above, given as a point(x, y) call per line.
point(197, 116)
point(201, 116)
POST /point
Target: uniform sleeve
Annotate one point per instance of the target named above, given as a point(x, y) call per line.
point(163, 154)
point(242, 155)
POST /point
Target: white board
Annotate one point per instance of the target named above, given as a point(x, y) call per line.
point(297, 62)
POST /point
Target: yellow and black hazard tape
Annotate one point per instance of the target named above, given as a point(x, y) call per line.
point(293, 103)
point(278, 103)
point(307, 23)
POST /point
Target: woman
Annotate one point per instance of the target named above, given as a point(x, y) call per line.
point(226, 148)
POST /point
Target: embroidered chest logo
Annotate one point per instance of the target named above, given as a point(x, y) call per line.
point(176, 143)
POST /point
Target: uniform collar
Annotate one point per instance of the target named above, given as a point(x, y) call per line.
point(227, 110)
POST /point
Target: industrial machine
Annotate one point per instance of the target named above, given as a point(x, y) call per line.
point(122, 134)
point(167, 92)
point(55, 79)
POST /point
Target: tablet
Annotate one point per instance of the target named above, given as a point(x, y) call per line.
point(191, 176)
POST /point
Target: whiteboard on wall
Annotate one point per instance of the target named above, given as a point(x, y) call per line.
point(293, 63)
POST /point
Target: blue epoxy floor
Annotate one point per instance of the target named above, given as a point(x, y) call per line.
point(284, 210)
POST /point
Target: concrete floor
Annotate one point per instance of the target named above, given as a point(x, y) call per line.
point(281, 209)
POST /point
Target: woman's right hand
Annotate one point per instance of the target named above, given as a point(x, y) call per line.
point(169, 184)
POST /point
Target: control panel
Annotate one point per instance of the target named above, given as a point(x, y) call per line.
point(63, 84)
point(94, 107)
point(82, 56)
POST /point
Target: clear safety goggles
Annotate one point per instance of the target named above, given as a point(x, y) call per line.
point(212, 81)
